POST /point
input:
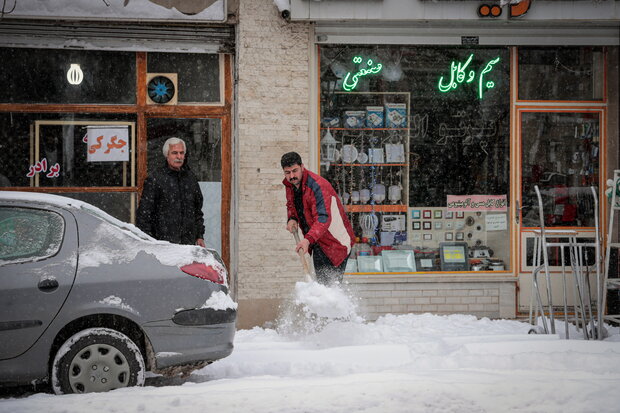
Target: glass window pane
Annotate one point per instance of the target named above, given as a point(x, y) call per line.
point(198, 74)
point(29, 233)
point(117, 204)
point(403, 128)
point(44, 75)
point(51, 150)
point(561, 73)
point(203, 140)
point(560, 154)
point(555, 253)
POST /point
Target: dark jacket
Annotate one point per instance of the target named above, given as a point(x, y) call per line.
point(171, 206)
point(329, 226)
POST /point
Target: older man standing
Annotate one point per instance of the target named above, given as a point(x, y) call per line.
point(171, 204)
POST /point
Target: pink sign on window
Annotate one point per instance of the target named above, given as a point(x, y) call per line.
point(474, 203)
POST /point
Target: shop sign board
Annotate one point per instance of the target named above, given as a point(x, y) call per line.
point(474, 203)
point(107, 143)
point(142, 10)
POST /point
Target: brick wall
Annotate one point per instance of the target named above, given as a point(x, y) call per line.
point(273, 118)
point(438, 295)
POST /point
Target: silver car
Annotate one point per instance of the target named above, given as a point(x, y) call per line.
point(90, 303)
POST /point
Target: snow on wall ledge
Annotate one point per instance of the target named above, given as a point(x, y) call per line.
point(179, 10)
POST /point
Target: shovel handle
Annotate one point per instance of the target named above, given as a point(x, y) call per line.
point(301, 253)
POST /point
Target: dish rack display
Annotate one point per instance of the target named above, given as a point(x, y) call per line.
point(364, 151)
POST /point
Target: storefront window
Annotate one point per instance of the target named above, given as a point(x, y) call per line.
point(53, 150)
point(561, 73)
point(67, 76)
point(197, 76)
point(416, 142)
point(560, 154)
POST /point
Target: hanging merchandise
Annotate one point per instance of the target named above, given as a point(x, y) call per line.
point(378, 193)
point(369, 223)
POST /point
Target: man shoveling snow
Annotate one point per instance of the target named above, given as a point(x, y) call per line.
point(313, 205)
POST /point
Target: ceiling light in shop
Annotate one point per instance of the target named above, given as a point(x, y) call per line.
point(75, 74)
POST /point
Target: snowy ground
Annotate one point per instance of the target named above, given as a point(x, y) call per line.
point(407, 363)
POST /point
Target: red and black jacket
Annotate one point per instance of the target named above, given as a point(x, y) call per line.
point(329, 226)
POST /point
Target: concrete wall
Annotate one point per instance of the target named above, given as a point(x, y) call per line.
point(273, 118)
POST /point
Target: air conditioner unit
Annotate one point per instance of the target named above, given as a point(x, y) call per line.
point(161, 88)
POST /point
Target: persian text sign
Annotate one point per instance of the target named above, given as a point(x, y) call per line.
point(475, 203)
point(107, 143)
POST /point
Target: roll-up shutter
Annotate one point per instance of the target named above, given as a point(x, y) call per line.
point(97, 35)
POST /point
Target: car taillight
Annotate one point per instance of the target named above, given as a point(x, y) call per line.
point(206, 272)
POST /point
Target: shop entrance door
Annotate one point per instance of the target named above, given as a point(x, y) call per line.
point(560, 151)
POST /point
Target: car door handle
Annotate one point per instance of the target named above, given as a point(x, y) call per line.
point(48, 285)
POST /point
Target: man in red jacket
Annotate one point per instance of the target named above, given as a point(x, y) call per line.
point(313, 206)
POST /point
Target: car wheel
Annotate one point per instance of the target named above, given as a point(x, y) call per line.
point(97, 360)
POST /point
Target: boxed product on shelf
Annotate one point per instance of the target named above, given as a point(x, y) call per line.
point(330, 122)
point(395, 115)
point(374, 116)
point(390, 222)
point(354, 118)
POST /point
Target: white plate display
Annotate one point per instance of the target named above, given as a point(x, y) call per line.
point(349, 154)
point(362, 157)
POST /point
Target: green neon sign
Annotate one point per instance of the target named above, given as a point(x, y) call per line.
point(460, 72)
point(350, 81)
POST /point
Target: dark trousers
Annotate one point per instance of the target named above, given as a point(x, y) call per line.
point(326, 272)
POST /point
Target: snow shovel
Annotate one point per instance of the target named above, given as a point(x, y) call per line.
point(307, 273)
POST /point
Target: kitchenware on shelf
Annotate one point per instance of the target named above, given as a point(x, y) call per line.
point(328, 147)
point(355, 197)
point(375, 155)
point(364, 195)
point(395, 193)
point(362, 157)
point(345, 198)
point(378, 193)
point(349, 153)
point(394, 153)
point(369, 223)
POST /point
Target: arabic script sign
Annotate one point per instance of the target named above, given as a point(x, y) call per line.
point(461, 72)
point(350, 80)
point(107, 143)
point(473, 203)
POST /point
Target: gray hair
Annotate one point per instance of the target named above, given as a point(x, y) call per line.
point(172, 141)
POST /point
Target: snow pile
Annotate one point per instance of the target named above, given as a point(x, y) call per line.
point(398, 364)
point(324, 301)
point(219, 300)
point(312, 306)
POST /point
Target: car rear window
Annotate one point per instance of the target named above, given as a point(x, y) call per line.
point(29, 234)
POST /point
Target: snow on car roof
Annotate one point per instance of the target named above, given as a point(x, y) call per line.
point(66, 202)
